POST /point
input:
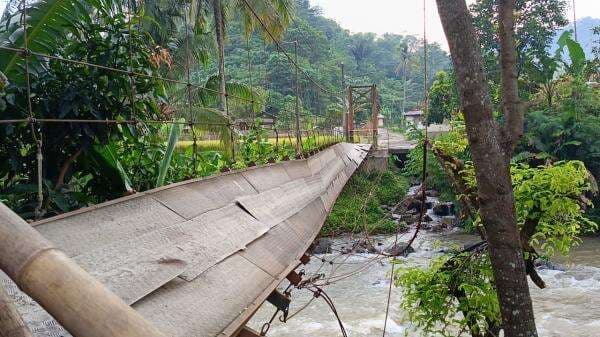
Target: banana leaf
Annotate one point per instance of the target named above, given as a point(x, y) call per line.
point(166, 161)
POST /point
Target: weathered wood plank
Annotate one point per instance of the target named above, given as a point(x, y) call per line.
point(297, 169)
point(331, 171)
point(334, 189)
point(195, 198)
point(134, 267)
point(276, 205)
point(267, 177)
point(101, 226)
point(308, 221)
point(276, 250)
point(207, 305)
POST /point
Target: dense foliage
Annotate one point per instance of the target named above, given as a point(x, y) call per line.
point(86, 163)
point(358, 208)
point(535, 22)
point(456, 291)
point(391, 61)
point(554, 176)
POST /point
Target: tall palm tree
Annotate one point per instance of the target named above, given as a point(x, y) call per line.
point(276, 15)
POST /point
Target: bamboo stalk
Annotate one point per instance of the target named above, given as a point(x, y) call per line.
point(79, 302)
point(11, 322)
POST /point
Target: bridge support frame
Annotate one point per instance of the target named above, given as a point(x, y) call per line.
point(360, 97)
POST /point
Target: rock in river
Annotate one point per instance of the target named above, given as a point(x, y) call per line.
point(322, 246)
point(398, 249)
point(443, 209)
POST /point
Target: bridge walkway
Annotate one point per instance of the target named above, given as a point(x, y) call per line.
point(199, 257)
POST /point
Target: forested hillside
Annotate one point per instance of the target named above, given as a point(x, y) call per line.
point(388, 61)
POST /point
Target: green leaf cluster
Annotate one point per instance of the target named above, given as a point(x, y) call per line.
point(453, 293)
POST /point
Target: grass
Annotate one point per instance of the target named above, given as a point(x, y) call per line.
point(358, 208)
point(202, 145)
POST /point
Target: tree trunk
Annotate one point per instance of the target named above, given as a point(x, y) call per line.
point(220, 34)
point(491, 156)
point(11, 322)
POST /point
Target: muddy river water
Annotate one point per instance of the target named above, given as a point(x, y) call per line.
point(569, 306)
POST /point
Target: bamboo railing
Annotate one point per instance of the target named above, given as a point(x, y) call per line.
point(83, 305)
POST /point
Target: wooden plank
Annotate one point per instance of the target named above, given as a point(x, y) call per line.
point(308, 221)
point(247, 332)
point(276, 205)
point(340, 153)
point(267, 177)
point(134, 267)
point(334, 189)
point(327, 156)
point(331, 171)
point(297, 169)
point(227, 233)
point(275, 250)
point(195, 198)
point(207, 305)
point(98, 227)
point(314, 164)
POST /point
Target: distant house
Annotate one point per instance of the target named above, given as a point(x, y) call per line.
point(415, 118)
point(436, 130)
point(380, 120)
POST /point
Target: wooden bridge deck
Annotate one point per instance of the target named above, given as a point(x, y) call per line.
point(395, 143)
point(199, 257)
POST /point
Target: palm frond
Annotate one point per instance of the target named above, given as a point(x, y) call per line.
point(47, 24)
point(238, 92)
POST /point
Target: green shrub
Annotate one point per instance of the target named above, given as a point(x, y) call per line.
point(358, 208)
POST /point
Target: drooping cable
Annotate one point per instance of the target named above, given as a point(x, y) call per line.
point(423, 207)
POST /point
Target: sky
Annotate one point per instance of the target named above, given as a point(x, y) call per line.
point(402, 16)
point(406, 16)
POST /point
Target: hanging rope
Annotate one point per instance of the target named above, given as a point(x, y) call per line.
point(189, 96)
point(319, 292)
point(423, 207)
point(39, 157)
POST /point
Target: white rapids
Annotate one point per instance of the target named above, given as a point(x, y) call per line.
point(569, 306)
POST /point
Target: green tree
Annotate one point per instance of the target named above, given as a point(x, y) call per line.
point(274, 14)
point(361, 48)
point(443, 98)
point(535, 24)
point(67, 90)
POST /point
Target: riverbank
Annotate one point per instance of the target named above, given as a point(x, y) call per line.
point(364, 203)
point(567, 307)
point(354, 270)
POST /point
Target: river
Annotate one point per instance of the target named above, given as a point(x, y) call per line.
point(569, 306)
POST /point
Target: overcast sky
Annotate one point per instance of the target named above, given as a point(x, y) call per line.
point(406, 16)
point(402, 16)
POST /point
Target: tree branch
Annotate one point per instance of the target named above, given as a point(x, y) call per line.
point(60, 181)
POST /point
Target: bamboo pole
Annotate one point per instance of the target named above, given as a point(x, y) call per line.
point(79, 302)
point(374, 115)
point(11, 322)
point(350, 119)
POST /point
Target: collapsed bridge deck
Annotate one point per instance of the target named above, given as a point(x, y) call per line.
point(199, 257)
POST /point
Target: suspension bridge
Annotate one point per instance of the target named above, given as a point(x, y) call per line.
point(195, 258)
